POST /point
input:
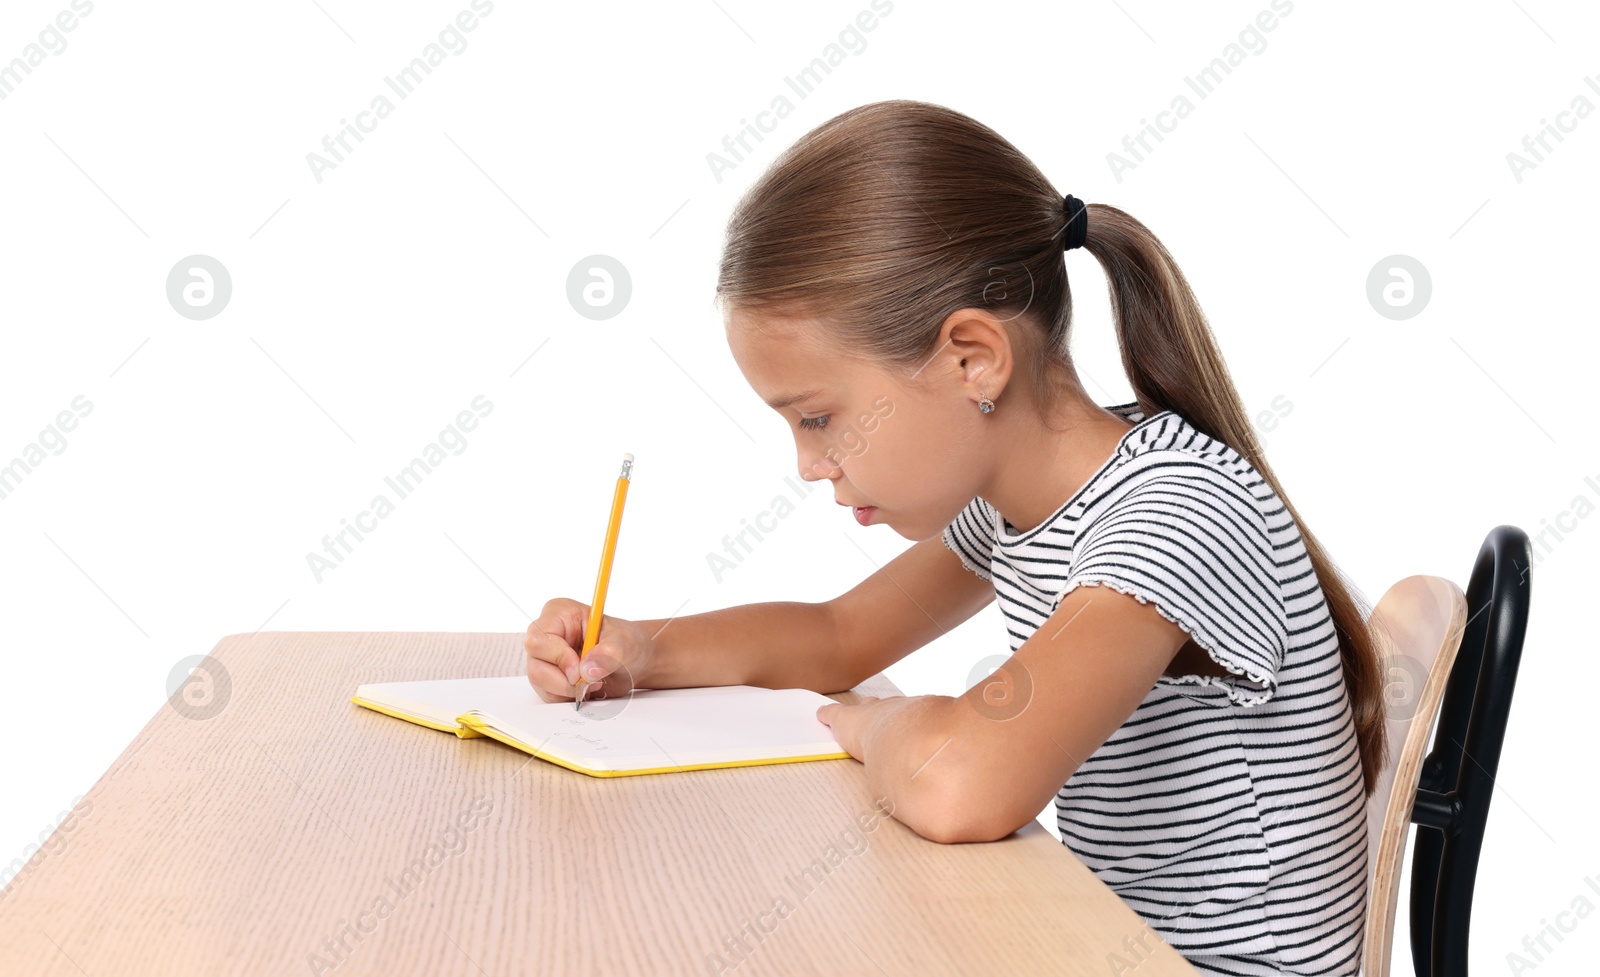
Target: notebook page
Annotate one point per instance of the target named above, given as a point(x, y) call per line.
point(439, 700)
point(671, 727)
point(442, 700)
point(651, 728)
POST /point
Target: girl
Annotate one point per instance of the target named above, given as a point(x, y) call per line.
point(1189, 678)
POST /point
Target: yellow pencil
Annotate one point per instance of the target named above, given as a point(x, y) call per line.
point(591, 634)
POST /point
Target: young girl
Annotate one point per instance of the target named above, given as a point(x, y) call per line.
point(1190, 678)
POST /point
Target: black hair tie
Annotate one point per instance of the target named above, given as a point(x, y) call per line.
point(1077, 221)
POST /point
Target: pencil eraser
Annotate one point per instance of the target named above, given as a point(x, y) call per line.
point(627, 457)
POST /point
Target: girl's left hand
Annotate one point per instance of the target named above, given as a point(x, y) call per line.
point(852, 724)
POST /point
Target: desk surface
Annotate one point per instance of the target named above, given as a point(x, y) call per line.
point(280, 829)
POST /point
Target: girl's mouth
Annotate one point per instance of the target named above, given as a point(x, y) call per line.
point(864, 513)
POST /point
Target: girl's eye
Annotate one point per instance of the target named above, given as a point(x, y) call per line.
point(814, 423)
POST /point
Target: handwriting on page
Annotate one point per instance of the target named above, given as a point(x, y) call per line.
point(577, 721)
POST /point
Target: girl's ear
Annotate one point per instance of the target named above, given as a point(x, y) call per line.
point(978, 349)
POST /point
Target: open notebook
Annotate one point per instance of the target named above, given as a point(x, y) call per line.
point(651, 731)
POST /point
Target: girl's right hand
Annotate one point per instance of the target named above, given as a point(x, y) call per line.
point(554, 640)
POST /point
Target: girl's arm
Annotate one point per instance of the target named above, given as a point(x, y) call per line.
point(1189, 544)
point(979, 766)
point(826, 647)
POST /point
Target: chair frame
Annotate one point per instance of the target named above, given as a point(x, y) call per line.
point(1456, 782)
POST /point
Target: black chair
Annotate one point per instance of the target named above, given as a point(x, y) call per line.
point(1454, 658)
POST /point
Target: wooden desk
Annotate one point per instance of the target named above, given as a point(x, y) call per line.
point(292, 832)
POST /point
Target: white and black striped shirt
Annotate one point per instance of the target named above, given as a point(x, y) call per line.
point(1227, 811)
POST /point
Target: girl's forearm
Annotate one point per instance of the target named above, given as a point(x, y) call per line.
point(775, 645)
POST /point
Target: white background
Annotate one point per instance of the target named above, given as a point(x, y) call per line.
point(371, 307)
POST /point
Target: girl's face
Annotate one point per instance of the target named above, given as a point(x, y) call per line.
point(907, 450)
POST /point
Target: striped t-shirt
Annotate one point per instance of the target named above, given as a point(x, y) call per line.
point(1226, 811)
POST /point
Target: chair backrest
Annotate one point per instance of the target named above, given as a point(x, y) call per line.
point(1456, 787)
point(1459, 717)
point(1417, 626)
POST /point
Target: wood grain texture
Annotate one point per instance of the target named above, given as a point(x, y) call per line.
point(294, 832)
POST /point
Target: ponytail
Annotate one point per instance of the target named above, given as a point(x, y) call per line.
point(1173, 363)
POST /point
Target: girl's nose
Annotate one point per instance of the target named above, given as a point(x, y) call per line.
point(818, 466)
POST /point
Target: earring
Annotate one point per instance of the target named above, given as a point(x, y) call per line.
point(986, 405)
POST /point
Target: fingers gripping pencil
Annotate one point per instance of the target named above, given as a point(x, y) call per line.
point(591, 634)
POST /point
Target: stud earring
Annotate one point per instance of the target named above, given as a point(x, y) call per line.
point(986, 405)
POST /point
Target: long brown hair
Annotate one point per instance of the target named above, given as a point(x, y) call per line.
point(885, 219)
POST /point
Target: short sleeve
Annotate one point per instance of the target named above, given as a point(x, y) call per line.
point(971, 536)
point(1192, 539)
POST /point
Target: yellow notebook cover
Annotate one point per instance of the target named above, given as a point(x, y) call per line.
point(650, 731)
